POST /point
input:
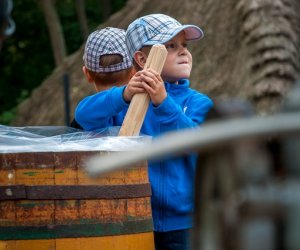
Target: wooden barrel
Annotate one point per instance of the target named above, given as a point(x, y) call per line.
point(47, 201)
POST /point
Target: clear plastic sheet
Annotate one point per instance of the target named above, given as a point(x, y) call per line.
point(64, 139)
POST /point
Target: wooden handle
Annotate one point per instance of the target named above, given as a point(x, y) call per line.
point(140, 102)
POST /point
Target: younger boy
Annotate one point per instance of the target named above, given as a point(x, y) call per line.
point(106, 61)
point(173, 106)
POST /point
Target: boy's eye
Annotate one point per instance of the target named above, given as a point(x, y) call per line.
point(170, 46)
point(176, 46)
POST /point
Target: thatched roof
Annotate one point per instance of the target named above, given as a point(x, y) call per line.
point(250, 50)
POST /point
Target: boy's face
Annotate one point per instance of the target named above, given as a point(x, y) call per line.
point(178, 64)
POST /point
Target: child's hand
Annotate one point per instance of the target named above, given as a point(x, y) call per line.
point(154, 85)
point(133, 86)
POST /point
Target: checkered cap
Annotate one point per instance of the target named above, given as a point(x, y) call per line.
point(157, 28)
point(106, 41)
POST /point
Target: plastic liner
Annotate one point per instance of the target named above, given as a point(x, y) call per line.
point(64, 139)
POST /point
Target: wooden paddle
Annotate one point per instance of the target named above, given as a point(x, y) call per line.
point(139, 104)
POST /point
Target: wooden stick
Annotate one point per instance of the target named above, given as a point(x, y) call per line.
point(140, 102)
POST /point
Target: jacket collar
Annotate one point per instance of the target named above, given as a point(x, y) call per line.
point(182, 84)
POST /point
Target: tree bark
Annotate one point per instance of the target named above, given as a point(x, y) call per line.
point(106, 9)
point(83, 22)
point(55, 31)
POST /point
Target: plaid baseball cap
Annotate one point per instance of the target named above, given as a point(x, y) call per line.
point(157, 28)
point(107, 41)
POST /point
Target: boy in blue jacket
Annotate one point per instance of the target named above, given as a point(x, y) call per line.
point(173, 106)
point(106, 61)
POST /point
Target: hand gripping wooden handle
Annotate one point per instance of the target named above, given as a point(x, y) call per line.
point(139, 104)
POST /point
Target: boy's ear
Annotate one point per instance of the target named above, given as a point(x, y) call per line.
point(87, 75)
point(140, 58)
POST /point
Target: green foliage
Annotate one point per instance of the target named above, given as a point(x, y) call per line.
point(7, 116)
point(26, 57)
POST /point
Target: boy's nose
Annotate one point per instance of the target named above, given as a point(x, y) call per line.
point(182, 50)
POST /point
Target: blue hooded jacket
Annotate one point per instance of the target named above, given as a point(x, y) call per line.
point(172, 179)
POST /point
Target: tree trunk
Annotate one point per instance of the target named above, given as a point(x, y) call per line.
point(105, 9)
point(250, 50)
point(80, 9)
point(55, 31)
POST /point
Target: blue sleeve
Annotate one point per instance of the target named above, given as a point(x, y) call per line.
point(97, 111)
point(190, 113)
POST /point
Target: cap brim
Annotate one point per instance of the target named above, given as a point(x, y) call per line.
point(192, 32)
